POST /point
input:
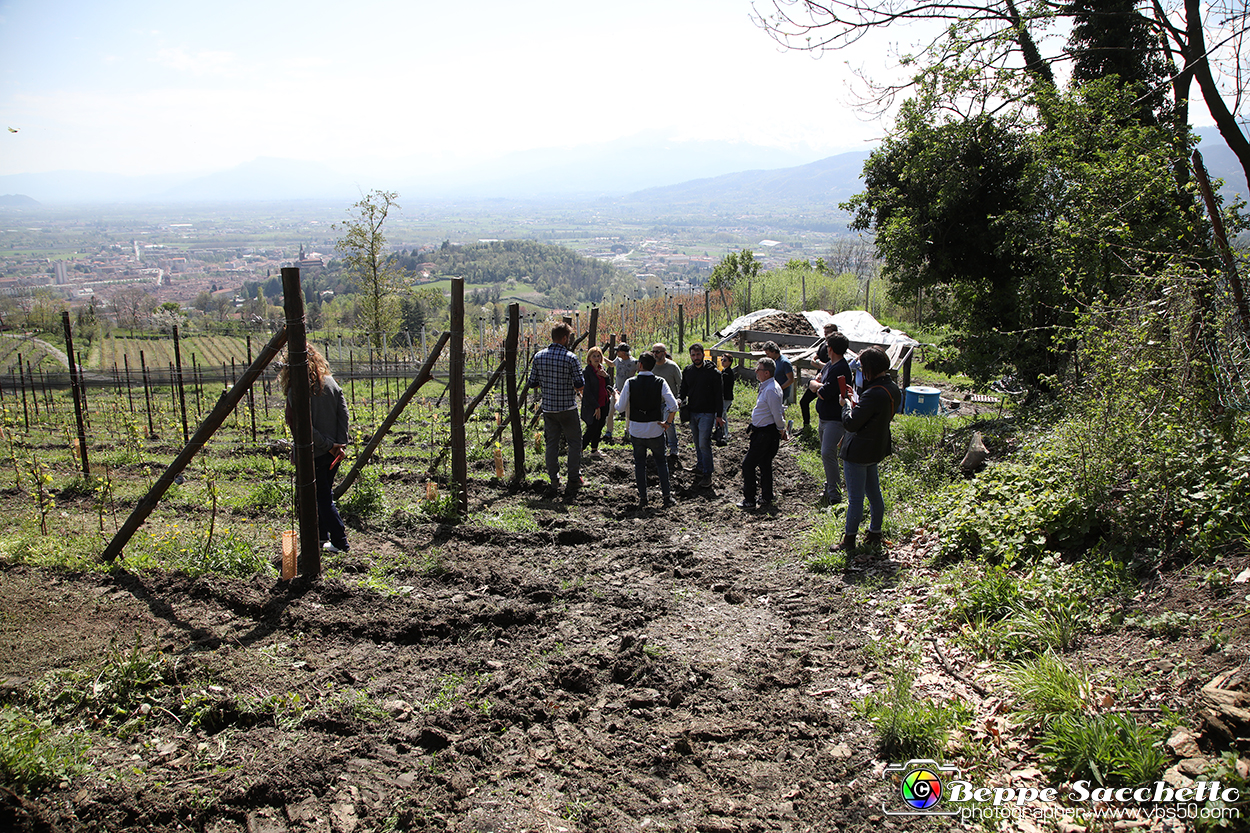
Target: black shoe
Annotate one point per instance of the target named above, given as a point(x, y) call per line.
point(745, 503)
point(674, 463)
point(705, 481)
point(669, 503)
point(722, 443)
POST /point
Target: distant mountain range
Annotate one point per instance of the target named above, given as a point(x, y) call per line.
point(645, 172)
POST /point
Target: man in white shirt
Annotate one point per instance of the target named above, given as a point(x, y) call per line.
point(651, 407)
point(768, 429)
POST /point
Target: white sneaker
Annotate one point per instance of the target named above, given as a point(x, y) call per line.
point(329, 547)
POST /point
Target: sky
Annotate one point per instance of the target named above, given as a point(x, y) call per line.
point(140, 86)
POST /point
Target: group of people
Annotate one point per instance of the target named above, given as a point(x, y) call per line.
point(856, 399)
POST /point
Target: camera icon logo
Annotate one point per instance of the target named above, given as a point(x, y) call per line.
point(921, 786)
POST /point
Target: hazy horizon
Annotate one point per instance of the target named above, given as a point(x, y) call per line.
point(143, 87)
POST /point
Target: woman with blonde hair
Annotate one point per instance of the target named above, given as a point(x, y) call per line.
point(329, 439)
point(596, 398)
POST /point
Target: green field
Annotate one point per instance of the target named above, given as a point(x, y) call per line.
point(159, 353)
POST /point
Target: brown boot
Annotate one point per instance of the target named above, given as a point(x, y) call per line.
point(872, 539)
point(848, 544)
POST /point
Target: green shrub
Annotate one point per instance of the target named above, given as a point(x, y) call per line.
point(907, 726)
point(366, 499)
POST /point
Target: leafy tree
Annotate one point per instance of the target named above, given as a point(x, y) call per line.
point(375, 276)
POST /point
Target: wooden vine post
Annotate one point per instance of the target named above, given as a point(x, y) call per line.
point(182, 391)
point(514, 407)
point(76, 387)
point(301, 424)
point(459, 457)
point(229, 399)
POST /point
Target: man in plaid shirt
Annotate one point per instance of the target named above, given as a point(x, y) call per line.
point(557, 373)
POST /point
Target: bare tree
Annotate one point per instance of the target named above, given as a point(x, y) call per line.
point(132, 305)
point(977, 52)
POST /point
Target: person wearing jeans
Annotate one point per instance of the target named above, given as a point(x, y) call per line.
point(701, 391)
point(868, 420)
point(330, 422)
point(557, 373)
point(650, 408)
point(835, 376)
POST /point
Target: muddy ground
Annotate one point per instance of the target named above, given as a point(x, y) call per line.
point(610, 670)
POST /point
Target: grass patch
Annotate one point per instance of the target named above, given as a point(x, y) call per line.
point(513, 518)
point(34, 755)
point(1046, 686)
point(1109, 749)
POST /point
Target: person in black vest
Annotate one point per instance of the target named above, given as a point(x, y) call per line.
point(650, 407)
point(868, 422)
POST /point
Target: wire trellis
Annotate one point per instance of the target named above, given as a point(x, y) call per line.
point(1229, 348)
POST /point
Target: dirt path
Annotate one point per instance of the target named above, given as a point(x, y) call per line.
point(677, 670)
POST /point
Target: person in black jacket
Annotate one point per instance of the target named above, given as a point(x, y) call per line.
point(835, 377)
point(867, 423)
point(701, 388)
point(330, 424)
point(727, 378)
point(818, 363)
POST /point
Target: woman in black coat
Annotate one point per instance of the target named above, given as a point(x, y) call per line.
point(867, 425)
point(596, 399)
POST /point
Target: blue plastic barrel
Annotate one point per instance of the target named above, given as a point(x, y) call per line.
point(921, 400)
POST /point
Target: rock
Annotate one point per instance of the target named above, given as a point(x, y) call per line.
point(1184, 743)
point(266, 820)
point(643, 698)
point(1224, 705)
point(974, 459)
point(1176, 779)
point(343, 818)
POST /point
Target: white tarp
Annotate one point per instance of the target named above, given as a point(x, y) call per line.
point(856, 325)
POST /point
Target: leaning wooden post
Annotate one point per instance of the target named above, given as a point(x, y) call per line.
point(229, 399)
point(75, 388)
point(459, 457)
point(1221, 241)
point(514, 408)
point(707, 315)
point(681, 329)
point(363, 458)
point(593, 329)
point(182, 391)
point(300, 412)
